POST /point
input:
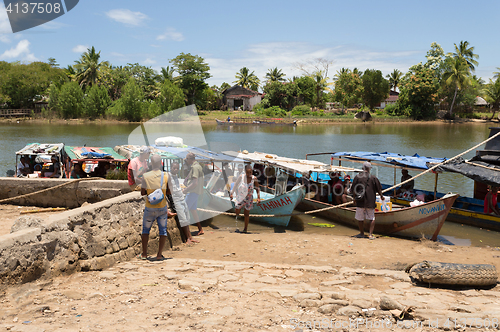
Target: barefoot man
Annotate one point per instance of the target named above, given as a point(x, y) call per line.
point(179, 202)
point(194, 187)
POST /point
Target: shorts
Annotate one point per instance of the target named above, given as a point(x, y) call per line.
point(364, 213)
point(152, 214)
point(192, 201)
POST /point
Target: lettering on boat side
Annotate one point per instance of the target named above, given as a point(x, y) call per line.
point(437, 208)
point(275, 203)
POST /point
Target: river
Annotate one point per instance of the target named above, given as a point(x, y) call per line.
point(426, 139)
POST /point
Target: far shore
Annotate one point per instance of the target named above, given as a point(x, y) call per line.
point(210, 119)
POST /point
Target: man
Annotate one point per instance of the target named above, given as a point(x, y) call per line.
point(407, 186)
point(364, 188)
point(54, 170)
point(490, 202)
point(23, 168)
point(179, 202)
point(159, 212)
point(137, 167)
point(194, 188)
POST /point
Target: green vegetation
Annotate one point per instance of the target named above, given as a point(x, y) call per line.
point(92, 88)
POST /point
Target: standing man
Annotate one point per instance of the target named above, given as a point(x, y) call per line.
point(151, 181)
point(364, 188)
point(194, 188)
point(137, 167)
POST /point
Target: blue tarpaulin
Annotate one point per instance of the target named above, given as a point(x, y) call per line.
point(414, 161)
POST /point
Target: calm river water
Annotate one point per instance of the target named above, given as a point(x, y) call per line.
point(433, 140)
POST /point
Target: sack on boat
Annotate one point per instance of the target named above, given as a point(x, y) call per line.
point(416, 203)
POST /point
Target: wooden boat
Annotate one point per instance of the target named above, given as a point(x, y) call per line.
point(249, 121)
point(269, 205)
point(420, 221)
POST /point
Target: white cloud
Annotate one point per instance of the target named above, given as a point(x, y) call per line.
point(20, 52)
point(171, 34)
point(285, 55)
point(127, 16)
point(4, 25)
point(80, 48)
point(149, 61)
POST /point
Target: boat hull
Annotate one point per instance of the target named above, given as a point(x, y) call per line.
point(420, 221)
point(271, 205)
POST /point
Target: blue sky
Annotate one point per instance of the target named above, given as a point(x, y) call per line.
point(260, 35)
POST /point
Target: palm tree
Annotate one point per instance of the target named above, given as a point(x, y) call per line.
point(496, 74)
point(394, 79)
point(492, 95)
point(247, 80)
point(340, 72)
point(466, 52)
point(88, 67)
point(275, 75)
point(457, 76)
point(320, 85)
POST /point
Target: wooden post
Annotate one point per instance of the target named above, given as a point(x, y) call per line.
point(395, 182)
point(435, 185)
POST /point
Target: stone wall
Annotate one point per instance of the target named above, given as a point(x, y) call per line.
point(92, 237)
point(70, 196)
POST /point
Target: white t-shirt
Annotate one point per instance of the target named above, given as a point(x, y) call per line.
point(20, 166)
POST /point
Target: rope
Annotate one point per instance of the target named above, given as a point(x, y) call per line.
point(47, 189)
point(348, 203)
point(442, 163)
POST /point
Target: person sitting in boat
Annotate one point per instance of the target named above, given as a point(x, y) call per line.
point(490, 202)
point(407, 187)
point(54, 170)
point(78, 172)
point(270, 174)
point(23, 168)
point(244, 186)
point(347, 190)
point(258, 172)
point(337, 188)
point(228, 118)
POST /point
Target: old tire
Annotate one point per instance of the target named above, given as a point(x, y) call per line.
point(454, 274)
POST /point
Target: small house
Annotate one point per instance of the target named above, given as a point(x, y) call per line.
point(392, 99)
point(238, 97)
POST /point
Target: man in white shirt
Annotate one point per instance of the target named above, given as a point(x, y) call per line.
point(23, 168)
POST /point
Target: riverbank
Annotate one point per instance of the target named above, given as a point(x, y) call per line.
point(253, 282)
point(210, 117)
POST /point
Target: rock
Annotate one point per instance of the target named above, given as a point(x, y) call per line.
point(74, 295)
point(307, 296)
point(363, 304)
point(267, 280)
point(107, 275)
point(25, 222)
point(227, 277)
point(387, 303)
point(310, 303)
point(400, 285)
point(287, 292)
point(328, 308)
point(190, 285)
point(293, 273)
point(226, 311)
point(336, 302)
point(333, 295)
point(349, 311)
point(336, 282)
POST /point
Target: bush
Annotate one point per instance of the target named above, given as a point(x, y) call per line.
point(273, 112)
point(301, 110)
point(392, 109)
point(258, 108)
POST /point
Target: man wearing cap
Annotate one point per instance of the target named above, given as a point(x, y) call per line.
point(364, 188)
point(137, 167)
point(194, 187)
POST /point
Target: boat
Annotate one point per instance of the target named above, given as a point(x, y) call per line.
point(270, 205)
point(90, 158)
point(419, 221)
point(465, 210)
point(424, 220)
point(40, 154)
point(251, 121)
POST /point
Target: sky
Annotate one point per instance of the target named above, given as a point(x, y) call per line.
point(261, 35)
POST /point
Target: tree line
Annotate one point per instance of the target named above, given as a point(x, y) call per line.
point(92, 88)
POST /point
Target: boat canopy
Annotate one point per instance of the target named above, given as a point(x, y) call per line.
point(301, 166)
point(93, 153)
point(403, 161)
point(170, 152)
point(481, 168)
point(37, 149)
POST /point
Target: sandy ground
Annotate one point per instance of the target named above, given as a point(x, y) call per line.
point(9, 214)
point(254, 282)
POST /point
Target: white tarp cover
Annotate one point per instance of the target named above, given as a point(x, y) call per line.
point(302, 166)
point(36, 148)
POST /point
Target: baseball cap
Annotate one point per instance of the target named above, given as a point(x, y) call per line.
point(144, 149)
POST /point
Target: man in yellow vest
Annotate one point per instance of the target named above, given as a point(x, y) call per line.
point(158, 211)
